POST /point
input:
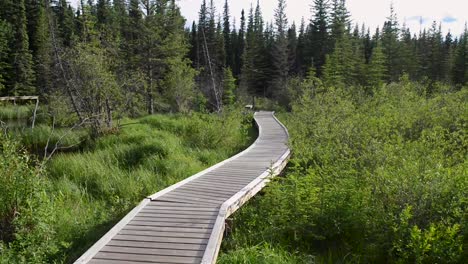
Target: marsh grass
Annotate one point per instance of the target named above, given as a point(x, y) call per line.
point(15, 112)
point(89, 190)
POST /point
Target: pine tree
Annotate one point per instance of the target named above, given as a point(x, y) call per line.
point(280, 51)
point(240, 47)
point(460, 67)
point(194, 46)
point(20, 77)
point(66, 24)
point(337, 68)
point(319, 40)
point(42, 48)
point(435, 56)
point(229, 88)
point(227, 36)
point(376, 69)
point(391, 47)
point(301, 50)
point(5, 36)
point(292, 51)
point(339, 21)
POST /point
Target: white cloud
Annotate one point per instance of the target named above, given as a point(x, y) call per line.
point(371, 12)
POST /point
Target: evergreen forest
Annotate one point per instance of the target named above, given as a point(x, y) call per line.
point(135, 98)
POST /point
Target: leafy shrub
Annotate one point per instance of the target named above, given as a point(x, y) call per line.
point(372, 179)
point(26, 217)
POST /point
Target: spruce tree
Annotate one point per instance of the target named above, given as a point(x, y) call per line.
point(280, 51)
point(319, 41)
point(5, 36)
point(65, 20)
point(20, 77)
point(460, 67)
point(376, 69)
point(229, 88)
point(227, 36)
point(391, 46)
point(301, 50)
point(292, 50)
point(240, 47)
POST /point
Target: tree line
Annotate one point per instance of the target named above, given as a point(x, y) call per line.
point(110, 58)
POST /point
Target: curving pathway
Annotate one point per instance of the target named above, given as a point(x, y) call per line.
point(185, 222)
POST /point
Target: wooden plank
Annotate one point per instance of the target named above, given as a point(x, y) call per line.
point(176, 240)
point(147, 258)
point(199, 194)
point(220, 186)
point(163, 234)
point(154, 251)
point(208, 190)
point(178, 216)
point(194, 198)
point(163, 212)
point(175, 206)
point(156, 245)
point(187, 201)
point(173, 220)
point(169, 229)
point(170, 224)
point(13, 98)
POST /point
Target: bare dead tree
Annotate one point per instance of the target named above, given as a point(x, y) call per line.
point(216, 92)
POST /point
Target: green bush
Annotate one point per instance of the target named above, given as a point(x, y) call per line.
point(372, 179)
point(26, 214)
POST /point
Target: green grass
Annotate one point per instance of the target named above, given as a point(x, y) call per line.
point(15, 112)
point(92, 189)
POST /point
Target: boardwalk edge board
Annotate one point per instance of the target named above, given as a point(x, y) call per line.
point(222, 213)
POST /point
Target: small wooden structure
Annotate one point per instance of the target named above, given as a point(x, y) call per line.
point(24, 98)
point(185, 223)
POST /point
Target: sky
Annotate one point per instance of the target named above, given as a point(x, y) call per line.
point(452, 13)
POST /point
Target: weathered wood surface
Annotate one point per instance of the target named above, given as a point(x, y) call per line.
point(17, 98)
point(185, 222)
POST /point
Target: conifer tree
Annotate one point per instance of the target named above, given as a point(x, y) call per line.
point(227, 36)
point(229, 87)
point(339, 21)
point(66, 24)
point(5, 35)
point(319, 42)
point(292, 50)
point(280, 51)
point(460, 68)
point(240, 47)
point(391, 47)
point(20, 77)
point(376, 69)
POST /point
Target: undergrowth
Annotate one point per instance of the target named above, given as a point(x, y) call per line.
point(84, 193)
point(373, 179)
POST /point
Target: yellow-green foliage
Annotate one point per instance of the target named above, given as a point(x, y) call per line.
point(379, 179)
point(90, 190)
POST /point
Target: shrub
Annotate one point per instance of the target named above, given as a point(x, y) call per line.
point(374, 179)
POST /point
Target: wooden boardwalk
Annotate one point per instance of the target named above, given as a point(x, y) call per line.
point(185, 222)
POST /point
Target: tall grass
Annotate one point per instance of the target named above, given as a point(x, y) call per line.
point(15, 112)
point(90, 190)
